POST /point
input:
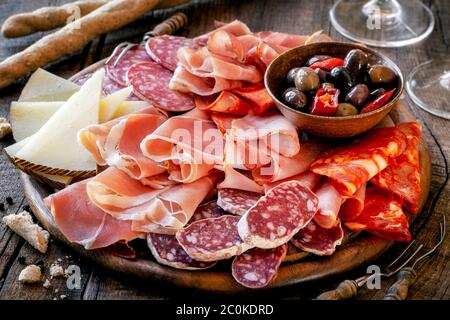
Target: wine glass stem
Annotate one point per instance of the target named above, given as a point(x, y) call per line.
point(385, 12)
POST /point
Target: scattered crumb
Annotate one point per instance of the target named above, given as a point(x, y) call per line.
point(22, 260)
point(63, 296)
point(56, 290)
point(31, 274)
point(9, 200)
point(56, 270)
point(23, 225)
point(59, 260)
point(2, 206)
point(47, 284)
point(5, 128)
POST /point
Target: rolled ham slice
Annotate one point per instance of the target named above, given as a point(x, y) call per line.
point(236, 28)
point(117, 142)
point(307, 178)
point(189, 146)
point(330, 201)
point(83, 222)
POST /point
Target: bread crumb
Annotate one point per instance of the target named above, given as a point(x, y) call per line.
point(23, 225)
point(63, 296)
point(5, 128)
point(56, 290)
point(47, 284)
point(31, 274)
point(56, 270)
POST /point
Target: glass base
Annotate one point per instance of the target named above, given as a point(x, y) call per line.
point(428, 86)
point(383, 23)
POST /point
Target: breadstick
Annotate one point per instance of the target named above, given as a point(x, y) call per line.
point(73, 37)
point(49, 18)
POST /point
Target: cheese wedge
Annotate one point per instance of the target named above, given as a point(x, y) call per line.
point(45, 86)
point(28, 117)
point(54, 149)
point(109, 105)
point(128, 107)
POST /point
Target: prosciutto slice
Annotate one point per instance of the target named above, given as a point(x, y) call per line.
point(307, 178)
point(402, 176)
point(330, 201)
point(350, 167)
point(382, 216)
point(116, 143)
point(236, 28)
point(189, 146)
point(84, 223)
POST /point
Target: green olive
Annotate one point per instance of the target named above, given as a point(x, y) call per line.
point(346, 109)
point(380, 74)
point(307, 79)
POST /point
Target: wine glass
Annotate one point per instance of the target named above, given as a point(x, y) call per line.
point(383, 23)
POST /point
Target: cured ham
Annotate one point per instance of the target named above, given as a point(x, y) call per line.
point(307, 178)
point(330, 201)
point(117, 143)
point(350, 167)
point(239, 179)
point(382, 216)
point(402, 176)
point(82, 222)
point(188, 146)
point(236, 28)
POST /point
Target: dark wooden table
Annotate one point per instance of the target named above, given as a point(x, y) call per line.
point(294, 16)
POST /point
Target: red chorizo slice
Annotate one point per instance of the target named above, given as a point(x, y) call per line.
point(212, 239)
point(317, 240)
point(257, 267)
point(278, 215)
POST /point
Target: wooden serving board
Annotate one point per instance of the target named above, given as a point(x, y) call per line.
point(298, 267)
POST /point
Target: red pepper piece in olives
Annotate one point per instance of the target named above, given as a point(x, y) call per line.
point(290, 78)
point(380, 74)
point(356, 61)
point(295, 98)
point(322, 74)
point(317, 58)
point(358, 95)
point(307, 79)
point(342, 78)
point(376, 94)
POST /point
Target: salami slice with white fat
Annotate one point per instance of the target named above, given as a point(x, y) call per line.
point(150, 82)
point(278, 215)
point(167, 251)
point(236, 201)
point(317, 240)
point(164, 49)
point(212, 239)
point(118, 71)
point(206, 211)
point(257, 267)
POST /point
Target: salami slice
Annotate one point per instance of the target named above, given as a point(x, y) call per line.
point(257, 267)
point(237, 201)
point(80, 80)
point(317, 240)
point(278, 215)
point(150, 82)
point(212, 239)
point(206, 211)
point(167, 251)
point(118, 72)
point(164, 49)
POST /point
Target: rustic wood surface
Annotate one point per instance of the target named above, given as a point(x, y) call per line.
point(289, 16)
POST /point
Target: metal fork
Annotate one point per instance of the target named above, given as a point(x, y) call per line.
point(349, 288)
point(407, 276)
point(168, 26)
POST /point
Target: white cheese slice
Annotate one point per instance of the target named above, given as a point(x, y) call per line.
point(128, 107)
point(55, 145)
point(109, 105)
point(28, 117)
point(45, 86)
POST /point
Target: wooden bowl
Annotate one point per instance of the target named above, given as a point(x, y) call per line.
point(330, 127)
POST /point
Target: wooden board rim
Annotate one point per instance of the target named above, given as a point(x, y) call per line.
point(360, 251)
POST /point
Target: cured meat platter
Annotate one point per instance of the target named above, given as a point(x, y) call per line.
point(287, 207)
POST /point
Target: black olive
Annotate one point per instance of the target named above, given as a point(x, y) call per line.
point(346, 109)
point(380, 74)
point(322, 74)
point(307, 79)
point(315, 59)
point(290, 78)
point(295, 98)
point(356, 61)
point(376, 94)
point(342, 78)
point(358, 95)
